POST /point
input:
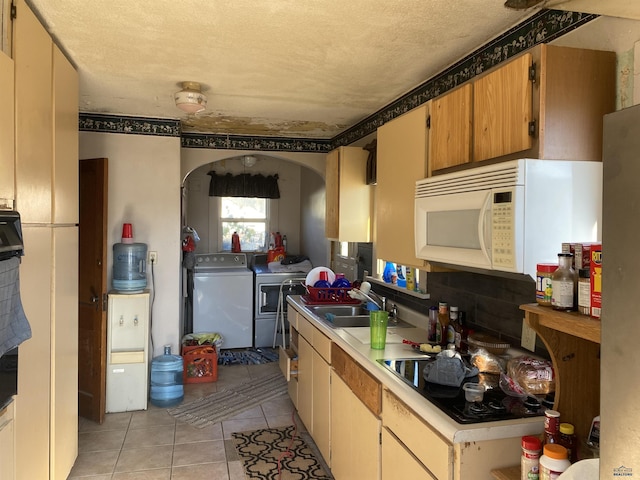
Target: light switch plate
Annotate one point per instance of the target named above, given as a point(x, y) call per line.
point(528, 337)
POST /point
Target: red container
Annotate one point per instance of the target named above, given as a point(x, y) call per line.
point(319, 296)
point(200, 364)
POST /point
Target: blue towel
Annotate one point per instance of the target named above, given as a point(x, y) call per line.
point(14, 326)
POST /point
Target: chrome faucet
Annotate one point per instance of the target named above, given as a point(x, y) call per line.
point(381, 302)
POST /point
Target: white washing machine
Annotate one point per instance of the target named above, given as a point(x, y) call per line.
point(223, 298)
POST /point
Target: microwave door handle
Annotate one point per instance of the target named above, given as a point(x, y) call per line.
point(484, 226)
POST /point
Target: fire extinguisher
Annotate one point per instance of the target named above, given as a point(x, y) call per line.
point(235, 242)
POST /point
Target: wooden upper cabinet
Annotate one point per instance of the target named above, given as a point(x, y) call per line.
point(401, 161)
point(564, 91)
point(450, 128)
point(502, 110)
point(348, 197)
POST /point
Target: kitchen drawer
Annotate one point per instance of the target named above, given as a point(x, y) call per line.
point(288, 363)
point(421, 440)
point(305, 328)
point(322, 344)
point(292, 316)
point(361, 382)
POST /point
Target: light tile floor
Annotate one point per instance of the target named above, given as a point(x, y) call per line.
point(153, 445)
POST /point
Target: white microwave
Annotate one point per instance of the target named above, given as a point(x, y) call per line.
point(509, 216)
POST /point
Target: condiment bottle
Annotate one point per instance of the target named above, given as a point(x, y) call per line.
point(530, 459)
point(454, 331)
point(551, 426)
point(563, 284)
point(544, 272)
point(553, 462)
point(443, 319)
point(433, 323)
point(569, 441)
point(235, 242)
point(584, 291)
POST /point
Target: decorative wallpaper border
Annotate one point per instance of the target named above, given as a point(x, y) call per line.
point(542, 27)
point(242, 142)
point(98, 122)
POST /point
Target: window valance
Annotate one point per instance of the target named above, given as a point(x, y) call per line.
point(243, 185)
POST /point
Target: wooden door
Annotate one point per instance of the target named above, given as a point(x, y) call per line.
point(502, 110)
point(450, 129)
point(92, 289)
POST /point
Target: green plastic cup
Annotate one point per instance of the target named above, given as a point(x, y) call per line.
point(378, 320)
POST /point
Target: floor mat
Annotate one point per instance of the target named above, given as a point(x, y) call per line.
point(230, 402)
point(249, 356)
point(260, 451)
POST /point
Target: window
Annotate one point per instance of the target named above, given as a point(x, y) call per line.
point(248, 217)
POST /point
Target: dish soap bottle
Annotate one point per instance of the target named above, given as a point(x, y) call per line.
point(389, 274)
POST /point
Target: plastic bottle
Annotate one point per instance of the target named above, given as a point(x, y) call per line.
point(569, 441)
point(551, 426)
point(402, 281)
point(284, 243)
point(411, 279)
point(278, 240)
point(166, 379)
point(553, 462)
point(530, 459)
point(389, 274)
point(564, 284)
point(129, 263)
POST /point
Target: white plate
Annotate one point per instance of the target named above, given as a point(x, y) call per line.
point(314, 275)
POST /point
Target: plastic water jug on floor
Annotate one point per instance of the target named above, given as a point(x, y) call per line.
point(167, 389)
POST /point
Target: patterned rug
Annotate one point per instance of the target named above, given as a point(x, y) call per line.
point(262, 450)
point(249, 356)
point(231, 401)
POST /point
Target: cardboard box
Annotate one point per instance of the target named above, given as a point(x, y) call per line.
point(596, 280)
point(581, 253)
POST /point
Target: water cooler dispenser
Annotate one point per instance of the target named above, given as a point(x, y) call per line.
point(127, 352)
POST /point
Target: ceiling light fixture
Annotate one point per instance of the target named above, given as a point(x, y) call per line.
point(249, 160)
point(190, 99)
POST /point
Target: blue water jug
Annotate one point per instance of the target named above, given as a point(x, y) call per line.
point(130, 267)
point(167, 389)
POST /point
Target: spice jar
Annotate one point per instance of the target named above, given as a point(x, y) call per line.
point(530, 459)
point(544, 271)
point(564, 283)
point(584, 291)
point(551, 426)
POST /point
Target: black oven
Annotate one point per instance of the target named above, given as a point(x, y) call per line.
point(8, 376)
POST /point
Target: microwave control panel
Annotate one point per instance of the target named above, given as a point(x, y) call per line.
point(502, 230)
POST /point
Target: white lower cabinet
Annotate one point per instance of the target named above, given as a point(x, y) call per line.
point(398, 462)
point(355, 435)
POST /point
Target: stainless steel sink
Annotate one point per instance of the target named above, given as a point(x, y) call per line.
point(344, 316)
point(338, 310)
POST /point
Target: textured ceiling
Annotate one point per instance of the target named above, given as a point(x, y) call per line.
point(288, 68)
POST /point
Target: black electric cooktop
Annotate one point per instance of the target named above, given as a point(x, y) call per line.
point(496, 405)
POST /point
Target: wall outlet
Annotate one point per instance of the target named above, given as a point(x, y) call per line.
point(528, 337)
point(153, 258)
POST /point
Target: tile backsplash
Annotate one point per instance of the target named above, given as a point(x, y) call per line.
point(490, 303)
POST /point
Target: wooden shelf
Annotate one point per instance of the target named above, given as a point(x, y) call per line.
point(509, 473)
point(573, 342)
point(572, 323)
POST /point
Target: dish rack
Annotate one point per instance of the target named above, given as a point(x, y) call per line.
point(323, 296)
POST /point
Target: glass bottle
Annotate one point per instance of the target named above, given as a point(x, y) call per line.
point(433, 322)
point(443, 319)
point(564, 284)
point(454, 332)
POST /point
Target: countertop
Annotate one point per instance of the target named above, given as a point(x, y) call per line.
point(446, 426)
